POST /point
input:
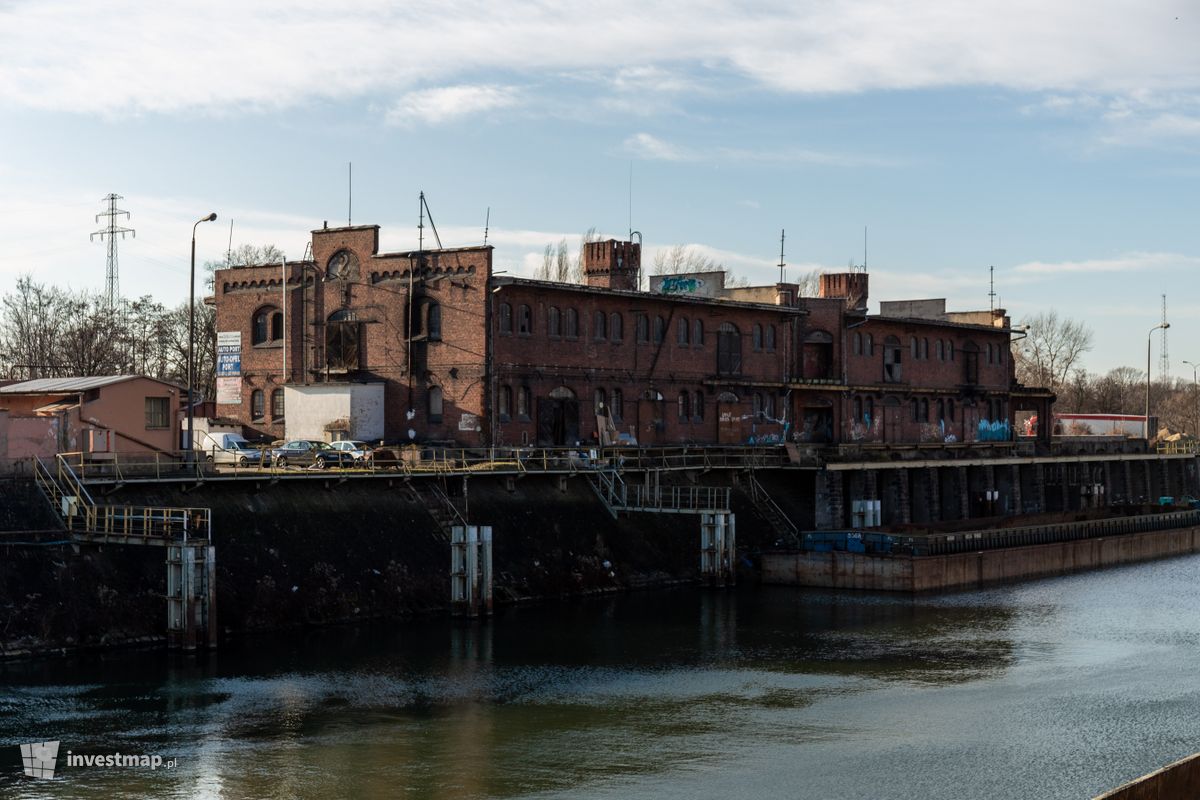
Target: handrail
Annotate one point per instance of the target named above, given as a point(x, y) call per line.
point(762, 497)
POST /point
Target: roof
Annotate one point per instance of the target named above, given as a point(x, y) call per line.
point(65, 385)
point(533, 283)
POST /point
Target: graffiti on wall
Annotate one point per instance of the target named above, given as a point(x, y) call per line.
point(681, 284)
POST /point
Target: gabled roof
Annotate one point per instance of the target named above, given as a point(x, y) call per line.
point(66, 385)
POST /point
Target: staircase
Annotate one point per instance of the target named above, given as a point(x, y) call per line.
point(441, 507)
point(784, 528)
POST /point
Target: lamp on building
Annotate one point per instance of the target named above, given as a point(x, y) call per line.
point(1149, 336)
point(192, 340)
point(1196, 417)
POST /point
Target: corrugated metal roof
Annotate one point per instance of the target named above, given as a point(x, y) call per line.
point(49, 385)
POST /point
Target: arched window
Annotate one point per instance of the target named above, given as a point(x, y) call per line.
point(916, 410)
point(698, 333)
point(553, 322)
point(941, 409)
point(435, 403)
point(433, 321)
point(770, 338)
point(524, 320)
point(756, 337)
point(599, 326)
point(505, 318)
point(950, 410)
point(856, 409)
point(950, 350)
point(868, 409)
point(698, 406)
point(924, 348)
point(524, 402)
point(729, 349)
point(643, 328)
point(617, 405)
point(571, 323)
point(267, 325)
point(598, 400)
point(660, 329)
point(681, 332)
point(857, 343)
point(970, 363)
point(616, 327)
point(758, 406)
point(870, 344)
point(504, 403)
point(941, 350)
point(924, 412)
point(914, 347)
point(257, 409)
point(685, 402)
point(277, 405)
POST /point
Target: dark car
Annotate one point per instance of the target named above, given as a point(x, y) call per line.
point(310, 453)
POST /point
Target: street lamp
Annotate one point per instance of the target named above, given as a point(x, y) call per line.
point(192, 338)
point(1196, 416)
point(1149, 336)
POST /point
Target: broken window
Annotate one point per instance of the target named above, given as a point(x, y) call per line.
point(267, 326)
point(817, 356)
point(524, 320)
point(891, 360)
point(970, 363)
point(341, 341)
point(505, 318)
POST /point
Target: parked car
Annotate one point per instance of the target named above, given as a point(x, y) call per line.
point(232, 448)
point(310, 453)
point(361, 451)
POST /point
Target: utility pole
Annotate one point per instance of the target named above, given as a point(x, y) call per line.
point(1164, 361)
point(112, 283)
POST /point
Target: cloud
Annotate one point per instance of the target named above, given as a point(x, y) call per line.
point(432, 106)
point(651, 148)
point(227, 55)
point(1129, 262)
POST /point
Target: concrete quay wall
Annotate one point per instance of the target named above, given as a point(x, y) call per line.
point(904, 573)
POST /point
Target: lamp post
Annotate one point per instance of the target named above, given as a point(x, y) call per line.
point(1196, 416)
point(192, 339)
point(1149, 336)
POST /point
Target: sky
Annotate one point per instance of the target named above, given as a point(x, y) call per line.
point(1058, 142)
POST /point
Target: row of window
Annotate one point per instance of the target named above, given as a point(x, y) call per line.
point(689, 404)
point(267, 324)
point(565, 323)
point(863, 409)
point(258, 409)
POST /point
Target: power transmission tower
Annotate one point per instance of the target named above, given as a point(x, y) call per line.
point(1164, 362)
point(112, 284)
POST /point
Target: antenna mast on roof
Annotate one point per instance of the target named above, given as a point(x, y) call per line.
point(349, 193)
point(487, 222)
point(229, 250)
point(991, 288)
point(782, 233)
point(112, 284)
point(864, 248)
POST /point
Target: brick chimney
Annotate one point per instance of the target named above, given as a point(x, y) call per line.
point(612, 264)
point(848, 286)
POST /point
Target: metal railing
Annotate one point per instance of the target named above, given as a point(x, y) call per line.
point(682, 499)
point(1189, 448)
point(126, 467)
point(763, 498)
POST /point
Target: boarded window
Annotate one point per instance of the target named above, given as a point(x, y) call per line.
point(729, 349)
point(435, 404)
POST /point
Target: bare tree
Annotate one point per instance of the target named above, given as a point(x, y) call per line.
point(683, 258)
point(809, 283)
point(589, 236)
point(1047, 356)
point(562, 262)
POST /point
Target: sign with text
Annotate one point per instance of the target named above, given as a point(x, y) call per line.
point(229, 356)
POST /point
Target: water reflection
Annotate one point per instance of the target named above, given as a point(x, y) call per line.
point(682, 693)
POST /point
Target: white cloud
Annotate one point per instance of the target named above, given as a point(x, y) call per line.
point(1128, 262)
point(432, 106)
point(652, 148)
point(228, 54)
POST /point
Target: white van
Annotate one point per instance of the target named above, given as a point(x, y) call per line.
point(232, 448)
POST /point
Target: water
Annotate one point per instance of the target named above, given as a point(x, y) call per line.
point(1053, 689)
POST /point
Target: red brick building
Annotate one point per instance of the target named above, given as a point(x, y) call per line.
point(430, 346)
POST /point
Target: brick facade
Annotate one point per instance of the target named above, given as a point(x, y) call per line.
point(518, 361)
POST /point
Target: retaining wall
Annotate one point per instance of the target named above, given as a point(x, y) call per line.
point(903, 573)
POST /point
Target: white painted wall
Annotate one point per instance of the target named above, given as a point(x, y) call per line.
point(310, 409)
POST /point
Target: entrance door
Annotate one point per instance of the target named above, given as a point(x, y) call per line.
point(729, 419)
point(558, 419)
point(892, 420)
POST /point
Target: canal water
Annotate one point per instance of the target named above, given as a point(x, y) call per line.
point(1058, 688)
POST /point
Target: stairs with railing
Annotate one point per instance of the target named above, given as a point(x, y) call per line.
point(441, 507)
point(770, 510)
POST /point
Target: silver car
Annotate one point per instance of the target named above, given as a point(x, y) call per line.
point(361, 451)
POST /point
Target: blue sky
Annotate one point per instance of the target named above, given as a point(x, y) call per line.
point(1058, 144)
